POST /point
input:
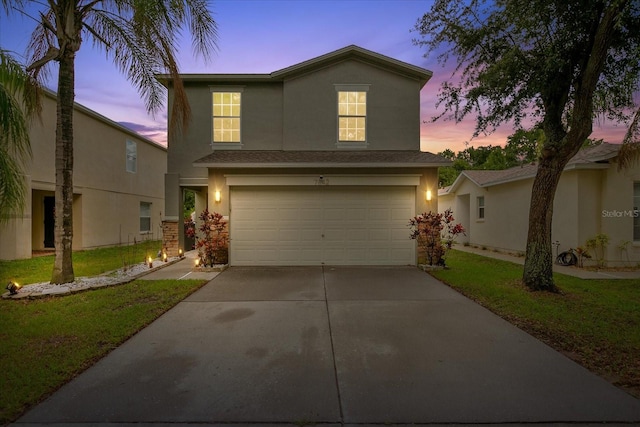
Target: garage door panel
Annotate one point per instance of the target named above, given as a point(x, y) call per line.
point(379, 235)
point(309, 214)
point(379, 214)
point(358, 235)
point(289, 235)
point(405, 214)
point(321, 225)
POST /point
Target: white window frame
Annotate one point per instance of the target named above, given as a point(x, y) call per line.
point(226, 89)
point(480, 202)
point(145, 215)
point(352, 88)
point(131, 156)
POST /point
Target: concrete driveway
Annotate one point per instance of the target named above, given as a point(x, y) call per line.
point(333, 345)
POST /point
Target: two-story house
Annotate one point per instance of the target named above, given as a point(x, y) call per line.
point(317, 163)
point(117, 186)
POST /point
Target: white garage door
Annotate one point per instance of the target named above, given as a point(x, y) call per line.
point(321, 225)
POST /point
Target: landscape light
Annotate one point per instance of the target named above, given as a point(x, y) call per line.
point(180, 253)
point(197, 262)
point(13, 288)
point(164, 256)
point(150, 261)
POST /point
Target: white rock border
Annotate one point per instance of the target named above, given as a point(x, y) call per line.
point(112, 278)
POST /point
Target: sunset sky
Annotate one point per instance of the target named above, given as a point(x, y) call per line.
point(265, 36)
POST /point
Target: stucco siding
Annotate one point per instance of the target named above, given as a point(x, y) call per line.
point(617, 214)
point(588, 204)
point(565, 222)
point(195, 141)
point(507, 212)
point(106, 205)
point(310, 108)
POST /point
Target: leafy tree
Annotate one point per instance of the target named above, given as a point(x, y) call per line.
point(524, 146)
point(448, 174)
point(561, 62)
point(141, 37)
point(448, 154)
point(497, 160)
point(19, 102)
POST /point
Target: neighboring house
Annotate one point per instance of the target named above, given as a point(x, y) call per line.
point(317, 163)
point(593, 197)
point(118, 186)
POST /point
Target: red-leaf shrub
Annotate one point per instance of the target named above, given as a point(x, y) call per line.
point(435, 234)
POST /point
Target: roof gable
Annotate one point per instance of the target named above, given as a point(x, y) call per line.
point(350, 52)
point(357, 53)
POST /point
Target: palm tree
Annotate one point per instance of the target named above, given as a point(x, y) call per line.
point(19, 102)
point(141, 37)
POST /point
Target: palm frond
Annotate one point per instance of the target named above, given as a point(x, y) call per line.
point(141, 37)
point(19, 102)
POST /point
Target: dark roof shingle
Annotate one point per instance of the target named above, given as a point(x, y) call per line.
point(360, 158)
point(585, 157)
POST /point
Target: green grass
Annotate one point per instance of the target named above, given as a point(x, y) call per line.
point(46, 342)
point(85, 263)
point(595, 322)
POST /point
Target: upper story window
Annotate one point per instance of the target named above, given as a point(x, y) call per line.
point(131, 156)
point(352, 114)
point(226, 117)
point(481, 207)
point(636, 211)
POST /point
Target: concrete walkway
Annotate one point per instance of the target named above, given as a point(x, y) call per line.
point(181, 270)
point(333, 346)
point(569, 271)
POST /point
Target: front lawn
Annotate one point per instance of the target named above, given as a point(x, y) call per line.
point(594, 322)
point(46, 342)
point(85, 263)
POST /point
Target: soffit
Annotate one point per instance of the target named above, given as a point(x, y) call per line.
point(330, 159)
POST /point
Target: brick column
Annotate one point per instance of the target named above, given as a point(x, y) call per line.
point(170, 241)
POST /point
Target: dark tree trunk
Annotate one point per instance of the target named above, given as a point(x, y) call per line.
point(538, 265)
point(63, 263)
point(561, 146)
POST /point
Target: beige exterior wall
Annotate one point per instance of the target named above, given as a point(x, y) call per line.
point(587, 202)
point(106, 197)
point(506, 208)
point(311, 116)
point(616, 214)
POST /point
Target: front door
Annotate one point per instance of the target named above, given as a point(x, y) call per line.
point(49, 221)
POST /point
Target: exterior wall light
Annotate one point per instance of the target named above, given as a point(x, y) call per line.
point(13, 288)
point(217, 196)
point(428, 195)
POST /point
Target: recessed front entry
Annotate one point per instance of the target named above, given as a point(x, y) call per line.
point(321, 225)
point(49, 221)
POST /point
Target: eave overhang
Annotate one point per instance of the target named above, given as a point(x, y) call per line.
point(320, 159)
